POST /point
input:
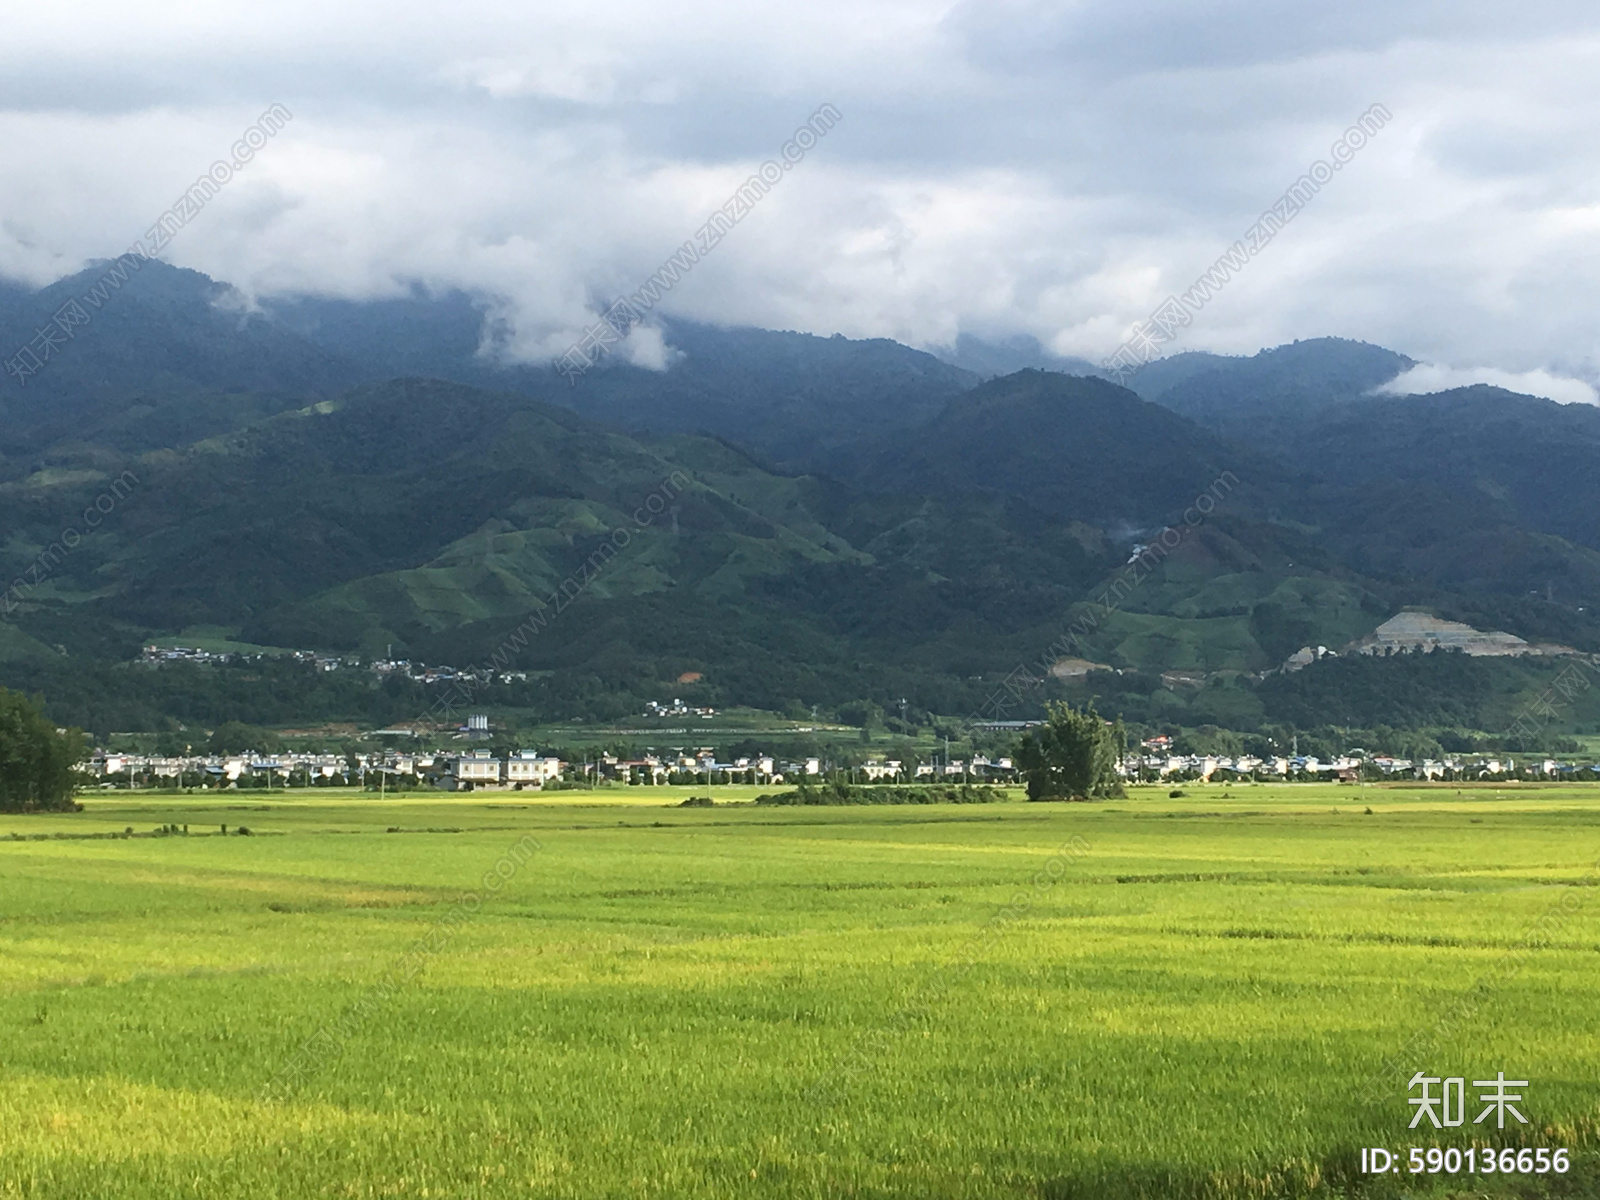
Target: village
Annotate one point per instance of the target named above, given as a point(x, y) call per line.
point(157, 656)
point(459, 770)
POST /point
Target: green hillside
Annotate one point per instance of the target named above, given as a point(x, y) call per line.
point(800, 522)
point(453, 525)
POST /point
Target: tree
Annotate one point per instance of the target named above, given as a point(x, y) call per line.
point(862, 713)
point(38, 764)
point(235, 737)
point(1072, 756)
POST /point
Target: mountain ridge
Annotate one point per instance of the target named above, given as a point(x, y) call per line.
point(860, 517)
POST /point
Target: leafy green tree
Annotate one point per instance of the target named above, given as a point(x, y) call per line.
point(38, 765)
point(235, 737)
point(1072, 756)
point(862, 713)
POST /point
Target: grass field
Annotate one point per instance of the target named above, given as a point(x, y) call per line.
point(742, 1001)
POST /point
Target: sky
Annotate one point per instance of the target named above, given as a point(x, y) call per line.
point(998, 168)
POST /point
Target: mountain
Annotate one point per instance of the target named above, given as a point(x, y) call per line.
point(447, 502)
point(1531, 460)
point(795, 397)
point(421, 334)
point(160, 355)
point(169, 356)
point(1473, 497)
point(1267, 395)
point(987, 359)
point(436, 518)
point(1161, 374)
point(838, 520)
point(1080, 447)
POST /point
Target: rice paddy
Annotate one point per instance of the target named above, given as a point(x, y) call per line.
point(1222, 994)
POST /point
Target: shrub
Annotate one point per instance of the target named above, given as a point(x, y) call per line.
point(839, 792)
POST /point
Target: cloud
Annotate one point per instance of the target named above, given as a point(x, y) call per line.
point(1054, 169)
point(1429, 377)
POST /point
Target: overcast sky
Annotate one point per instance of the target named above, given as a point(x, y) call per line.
point(1055, 169)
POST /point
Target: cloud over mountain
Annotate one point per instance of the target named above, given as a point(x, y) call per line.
point(1051, 170)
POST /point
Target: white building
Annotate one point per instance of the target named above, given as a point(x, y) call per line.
point(477, 769)
point(877, 769)
point(531, 769)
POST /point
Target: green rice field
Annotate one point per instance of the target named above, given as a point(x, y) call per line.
point(1222, 994)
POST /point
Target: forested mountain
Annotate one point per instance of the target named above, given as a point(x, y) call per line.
point(434, 518)
point(1270, 395)
point(988, 359)
point(1081, 447)
point(836, 519)
point(1533, 460)
point(166, 356)
point(169, 356)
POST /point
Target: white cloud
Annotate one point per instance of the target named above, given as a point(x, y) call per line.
point(1004, 166)
point(1430, 377)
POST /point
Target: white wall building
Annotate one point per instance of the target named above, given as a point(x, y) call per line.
point(531, 769)
point(477, 769)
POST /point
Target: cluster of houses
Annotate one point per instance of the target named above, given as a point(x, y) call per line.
point(459, 771)
point(467, 770)
point(703, 767)
point(160, 655)
point(424, 674)
point(1158, 762)
point(417, 672)
point(654, 708)
point(1345, 769)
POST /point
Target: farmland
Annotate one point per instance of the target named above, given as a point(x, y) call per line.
point(1184, 996)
